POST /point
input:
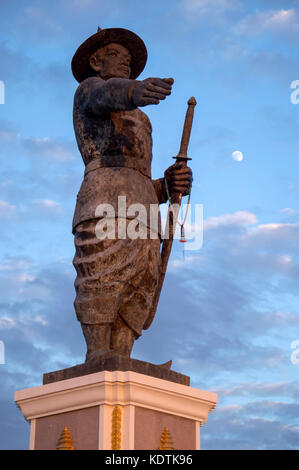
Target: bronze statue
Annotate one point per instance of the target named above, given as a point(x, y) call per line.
point(117, 279)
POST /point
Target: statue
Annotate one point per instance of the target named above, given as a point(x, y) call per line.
point(117, 279)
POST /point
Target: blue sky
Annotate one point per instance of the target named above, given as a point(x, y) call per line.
point(229, 312)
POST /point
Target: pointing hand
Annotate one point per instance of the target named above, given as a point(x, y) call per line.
point(151, 91)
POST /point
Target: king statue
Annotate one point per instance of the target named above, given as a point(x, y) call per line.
point(117, 278)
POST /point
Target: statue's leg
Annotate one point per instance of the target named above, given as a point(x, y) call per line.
point(104, 270)
point(97, 288)
point(138, 295)
point(122, 337)
point(97, 339)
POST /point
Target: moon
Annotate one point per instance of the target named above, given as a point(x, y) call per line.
point(237, 156)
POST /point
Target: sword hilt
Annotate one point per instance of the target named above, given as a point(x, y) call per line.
point(182, 155)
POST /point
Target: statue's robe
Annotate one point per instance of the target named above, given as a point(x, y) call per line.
point(114, 276)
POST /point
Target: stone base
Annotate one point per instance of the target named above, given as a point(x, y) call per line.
point(113, 362)
point(115, 411)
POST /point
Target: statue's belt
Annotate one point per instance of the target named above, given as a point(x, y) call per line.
point(98, 163)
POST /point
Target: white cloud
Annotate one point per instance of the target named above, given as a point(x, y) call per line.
point(275, 226)
point(8, 136)
point(180, 263)
point(263, 253)
point(6, 208)
point(209, 6)
point(288, 211)
point(27, 319)
point(6, 184)
point(21, 320)
point(82, 3)
point(48, 148)
point(14, 264)
point(227, 408)
point(276, 21)
point(16, 275)
point(40, 23)
point(47, 204)
point(241, 218)
point(258, 389)
point(284, 260)
point(7, 322)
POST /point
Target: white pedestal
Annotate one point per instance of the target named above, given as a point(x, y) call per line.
point(116, 410)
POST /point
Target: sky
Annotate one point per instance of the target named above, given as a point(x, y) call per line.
point(228, 312)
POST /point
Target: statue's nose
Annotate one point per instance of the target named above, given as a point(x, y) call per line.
point(126, 60)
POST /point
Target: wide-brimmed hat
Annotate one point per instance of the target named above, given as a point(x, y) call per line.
point(80, 63)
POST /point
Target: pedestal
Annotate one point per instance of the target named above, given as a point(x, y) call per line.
point(119, 410)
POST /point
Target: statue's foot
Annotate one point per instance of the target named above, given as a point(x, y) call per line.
point(90, 356)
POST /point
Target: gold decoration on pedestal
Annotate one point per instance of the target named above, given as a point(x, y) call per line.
point(65, 442)
point(116, 429)
point(166, 440)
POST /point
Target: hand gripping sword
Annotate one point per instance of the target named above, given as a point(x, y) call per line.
point(176, 199)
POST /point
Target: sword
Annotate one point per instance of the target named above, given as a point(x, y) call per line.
point(176, 199)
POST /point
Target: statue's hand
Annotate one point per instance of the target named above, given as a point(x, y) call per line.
point(178, 178)
point(151, 91)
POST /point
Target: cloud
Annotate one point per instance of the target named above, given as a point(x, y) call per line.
point(289, 211)
point(209, 315)
point(16, 273)
point(282, 22)
point(237, 428)
point(9, 58)
point(39, 304)
point(81, 4)
point(48, 204)
point(6, 209)
point(225, 315)
point(38, 23)
point(48, 148)
point(247, 238)
point(37, 169)
point(230, 284)
point(20, 322)
point(275, 236)
point(262, 409)
point(8, 131)
point(239, 218)
point(261, 389)
point(209, 7)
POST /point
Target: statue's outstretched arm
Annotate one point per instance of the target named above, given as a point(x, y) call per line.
point(96, 96)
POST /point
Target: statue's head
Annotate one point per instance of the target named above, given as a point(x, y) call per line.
point(113, 52)
point(110, 61)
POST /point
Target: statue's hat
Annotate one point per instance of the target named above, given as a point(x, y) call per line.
point(80, 63)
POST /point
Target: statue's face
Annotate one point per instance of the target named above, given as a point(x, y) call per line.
point(110, 61)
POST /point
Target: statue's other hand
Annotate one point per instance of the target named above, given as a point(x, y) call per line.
point(151, 91)
point(179, 178)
